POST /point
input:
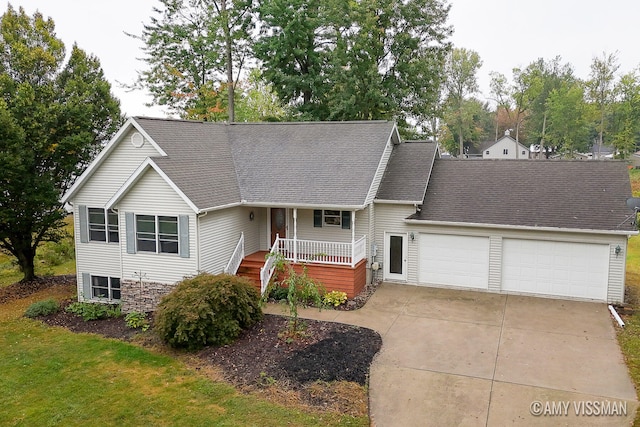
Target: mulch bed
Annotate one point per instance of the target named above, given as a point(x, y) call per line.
point(262, 355)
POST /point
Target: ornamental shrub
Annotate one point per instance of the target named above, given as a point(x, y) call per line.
point(94, 310)
point(42, 308)
point(207, 310)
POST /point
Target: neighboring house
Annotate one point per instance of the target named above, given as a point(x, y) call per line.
point(600, 153)
point(504, 148)
point(169, 198)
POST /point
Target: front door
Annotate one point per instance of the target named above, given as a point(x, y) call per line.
point(395, 266)
point(278, 223)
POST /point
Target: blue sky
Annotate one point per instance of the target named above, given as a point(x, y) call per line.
point(506, 34)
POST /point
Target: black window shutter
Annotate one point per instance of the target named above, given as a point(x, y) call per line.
point(317, 218)
point(346, 220)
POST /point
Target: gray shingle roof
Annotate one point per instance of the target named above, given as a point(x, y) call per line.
point(408, 172)
point(587, 195)
point(320, 163)
point(199, 159)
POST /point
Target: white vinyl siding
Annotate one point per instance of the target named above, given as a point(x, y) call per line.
point(123, 160)
point(306, 230)
point(390, 218)
point(96, 257)
point(220, 232)
point(151, 195)
point(382, 167)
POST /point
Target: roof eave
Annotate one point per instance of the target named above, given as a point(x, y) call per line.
point(521, 227)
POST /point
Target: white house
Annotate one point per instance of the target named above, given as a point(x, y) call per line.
point(505, 148)
point(170, 198)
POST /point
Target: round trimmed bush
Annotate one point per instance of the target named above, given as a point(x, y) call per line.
point(207, 310)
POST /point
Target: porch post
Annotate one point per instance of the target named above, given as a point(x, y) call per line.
point(353, 237)
point(295, 234)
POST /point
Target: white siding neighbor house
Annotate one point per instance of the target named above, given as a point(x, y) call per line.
point(167, 199)
point(505, 148)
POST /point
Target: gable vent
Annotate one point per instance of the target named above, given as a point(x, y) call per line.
point(137, 140)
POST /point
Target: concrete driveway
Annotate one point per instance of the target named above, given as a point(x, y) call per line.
point(464, 358)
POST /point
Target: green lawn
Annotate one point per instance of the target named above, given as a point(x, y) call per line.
point(629, 337)
point(51, 376)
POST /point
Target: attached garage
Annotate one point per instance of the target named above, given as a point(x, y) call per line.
point(454, 260)
point(563, 269)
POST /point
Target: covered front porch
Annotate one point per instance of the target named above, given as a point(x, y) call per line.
point(314, 242)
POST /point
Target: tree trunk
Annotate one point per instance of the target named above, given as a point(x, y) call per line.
point(544, 128)
point(461, 140)
point(229, 60)
point(25, 261)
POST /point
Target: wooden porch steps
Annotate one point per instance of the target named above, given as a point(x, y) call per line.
point(251, 265)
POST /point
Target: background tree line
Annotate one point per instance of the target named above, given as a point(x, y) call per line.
point(544, 104)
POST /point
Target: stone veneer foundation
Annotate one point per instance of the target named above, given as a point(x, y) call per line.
point(142, 297)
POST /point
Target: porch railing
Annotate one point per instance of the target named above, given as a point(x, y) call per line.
point(321, 252)
point(236, 257)
point(269, 267)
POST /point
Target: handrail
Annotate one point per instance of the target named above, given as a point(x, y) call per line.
point(236, 257)
point(266, 272)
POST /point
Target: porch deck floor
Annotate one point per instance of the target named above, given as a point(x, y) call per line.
point(257, 256)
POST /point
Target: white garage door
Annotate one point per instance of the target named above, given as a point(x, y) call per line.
point(454, 260)
point(555, 268)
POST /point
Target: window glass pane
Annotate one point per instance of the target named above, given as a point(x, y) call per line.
point(96, 216)
point(97, 229)
point(145, 223)
point(97, 235)
point(113, 218)
point(169, 247)
point(115, 287)
point(332, 217)
point(168, 225)
point(146, 245)
point(395, 254)
point(99, 287)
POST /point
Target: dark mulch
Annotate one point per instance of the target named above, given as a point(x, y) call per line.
point(24, 289)
point(326, 351)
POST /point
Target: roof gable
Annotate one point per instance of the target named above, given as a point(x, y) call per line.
point(586, 195)
point(407, 174)
point(104, 154)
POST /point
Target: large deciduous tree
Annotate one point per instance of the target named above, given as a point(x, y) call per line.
point(626, 115)
point(195, 50)
point(461, 81)
point(567, 119)
point(53, 118)
point(601, 86)
point(336, 60)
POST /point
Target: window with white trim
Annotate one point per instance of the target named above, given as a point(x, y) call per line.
point(505, 151)
point(105, 287)
point(332, 218)
point(157, 234)
point(103, 225)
